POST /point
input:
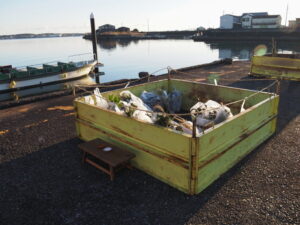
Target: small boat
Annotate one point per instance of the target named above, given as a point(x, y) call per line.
point(13, 79)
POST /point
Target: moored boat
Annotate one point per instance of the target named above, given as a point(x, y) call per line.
point(12, 79)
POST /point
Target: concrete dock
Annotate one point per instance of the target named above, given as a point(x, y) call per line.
point(43, 180)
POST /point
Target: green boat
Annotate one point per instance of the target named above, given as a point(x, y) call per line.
point(12, 79)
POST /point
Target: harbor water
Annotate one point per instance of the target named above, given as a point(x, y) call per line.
point(122, 59)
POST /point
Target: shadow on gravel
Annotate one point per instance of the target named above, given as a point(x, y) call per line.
point(51, 186)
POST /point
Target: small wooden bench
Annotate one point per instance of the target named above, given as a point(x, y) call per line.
point(114, 158)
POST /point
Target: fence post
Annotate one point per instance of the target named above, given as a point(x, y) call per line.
point(278, 87)
point(194, 126)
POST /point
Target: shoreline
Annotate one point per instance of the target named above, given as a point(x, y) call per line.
point(248, 35)
point(35, 98)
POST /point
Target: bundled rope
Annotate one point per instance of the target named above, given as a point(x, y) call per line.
point(221, 79)
point(126, 83)
point(170, 70)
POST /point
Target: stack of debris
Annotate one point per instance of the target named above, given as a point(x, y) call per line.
point(161, 108)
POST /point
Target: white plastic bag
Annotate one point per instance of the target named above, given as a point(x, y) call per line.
point(211, 111)
point(99, 100)
point(89, 100)
point(143, 116)
point(127, 96)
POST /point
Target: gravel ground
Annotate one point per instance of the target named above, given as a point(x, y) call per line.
point(43, 180)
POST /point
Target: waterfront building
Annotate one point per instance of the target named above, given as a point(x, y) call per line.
point(254, 20)
point(294, 24)
point(256, 14)
point(229, 21)
point(200, 28)
point(269, 21)
point(123, 29)
point(246, 21)
point(106, 28)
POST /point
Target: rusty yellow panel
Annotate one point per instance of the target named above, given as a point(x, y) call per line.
point(277, 62)
point(276, 67)
point(189, 164)
point(149, 135)
point(234, 129)
point(209, 172)
point(220, 148)
point(164, 168)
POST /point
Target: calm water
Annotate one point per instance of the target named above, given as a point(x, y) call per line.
point(126, 59)
point(120, 59)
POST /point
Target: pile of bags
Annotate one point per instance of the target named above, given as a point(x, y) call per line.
point(155, 108)
point(210, 113)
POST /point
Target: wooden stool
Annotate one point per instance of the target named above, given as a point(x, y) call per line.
point(114, 158)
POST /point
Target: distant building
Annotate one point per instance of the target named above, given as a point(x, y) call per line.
point(270, 21)
point(229, 21)
point(294, 24)
point(106, 28)
point(254, 20)
point(256, 14)
point(123, 29)
point(246, 21)
point(246, 18)
point(200, 28)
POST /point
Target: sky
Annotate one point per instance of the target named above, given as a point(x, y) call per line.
point(67, 16)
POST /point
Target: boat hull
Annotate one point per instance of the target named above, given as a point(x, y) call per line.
point(47, 79)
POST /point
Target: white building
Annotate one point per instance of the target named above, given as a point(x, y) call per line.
point(254, 20)
point(246, 21)
point(229, 21)
point(270, 21)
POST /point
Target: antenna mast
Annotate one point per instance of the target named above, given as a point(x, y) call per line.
point(286, 14)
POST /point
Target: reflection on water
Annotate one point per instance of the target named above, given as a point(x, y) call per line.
point(45, 89)
point(244, 50)
point(113, 44)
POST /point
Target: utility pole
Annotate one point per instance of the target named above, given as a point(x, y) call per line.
point(94, 38)
point(148, 24)
point(286, 14)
